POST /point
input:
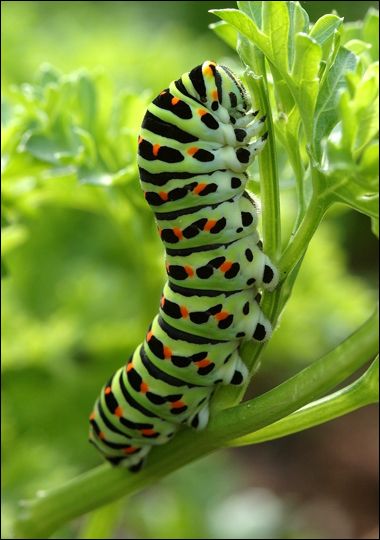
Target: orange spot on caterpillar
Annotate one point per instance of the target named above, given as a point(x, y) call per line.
point(189, 271)
point(209, 224)
point(140, 139)
point(193, 150)
point(108, 390)
point(207, 70)
point(149, 335)
point(225, 266)
point(177, 404)
point(178, 233)
point(203, 363)
point(156, 148)
point(163, 195)
point(215, 94)
point(199, 188)
point(159, 231)
point(175, 100)
point(129, 366)
point(221, 316)
point(184, 312)
point(118, 411)
point(162, 303)
point(130, 449)
point(201, 112)
point(101, 435)
point(148, 431)
point(143, 388)
point(92, 415)
point(167, 352)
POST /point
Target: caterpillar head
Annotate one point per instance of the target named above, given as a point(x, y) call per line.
point(234, 97)
point(219, 89)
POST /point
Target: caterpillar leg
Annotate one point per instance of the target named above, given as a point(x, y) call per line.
point(200, 420)
point(238, 159)
point(264, 273)
point(244, 135)
point(246, 119)
point(126, 463)
point(254, 324)
point(234, 370)
point(262, 327)
point(117, 455)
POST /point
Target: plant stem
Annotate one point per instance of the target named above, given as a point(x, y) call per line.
point(269, 185)
point(360, 393)
point(49, 510)
point(270, 199)
point(299, 242)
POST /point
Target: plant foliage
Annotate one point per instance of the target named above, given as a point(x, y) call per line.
point(68, 143)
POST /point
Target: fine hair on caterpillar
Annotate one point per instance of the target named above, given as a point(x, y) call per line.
point(197, 139)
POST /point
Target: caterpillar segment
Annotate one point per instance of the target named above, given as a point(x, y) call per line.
point(197, 139)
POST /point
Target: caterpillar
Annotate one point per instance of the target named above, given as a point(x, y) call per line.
point(194, 147)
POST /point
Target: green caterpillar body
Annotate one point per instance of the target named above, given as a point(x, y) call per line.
point(194, 148)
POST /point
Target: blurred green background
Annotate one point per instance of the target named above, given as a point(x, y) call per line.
point(84, 276)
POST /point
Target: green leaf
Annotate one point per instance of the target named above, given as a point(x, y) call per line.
point(326, 114)
point(88, 153)
point(359, 108)
point(307, 59)
point(369, 161)
point(52, 148)
point(352, 30)
point(12, 237)
point(305, 75)
point(375, 226)
point(48, 74)
point(226, 32)
point(87, 100)
point(299, 23)
point(349, 124)
point(276, 26)
point(247, 53)
point(246, 26)
point(97, 177)
point(94, 177)
point(357, 46)
point(325, 27)
point(371, 32)
point(323, 32)
point(253, 10)
point(366, 106)
point(6, 113)
point(352, 194)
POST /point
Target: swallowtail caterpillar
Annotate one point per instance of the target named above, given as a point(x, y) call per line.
point(196, 141)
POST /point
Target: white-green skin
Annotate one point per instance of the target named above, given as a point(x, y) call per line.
point(165, 373)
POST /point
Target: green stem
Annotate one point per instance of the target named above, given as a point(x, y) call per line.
point(101, 523)
point(299, 173)
point(269, 184)
point(270, 200)
point(49, 510)
point(299, 242)
point(360, 393)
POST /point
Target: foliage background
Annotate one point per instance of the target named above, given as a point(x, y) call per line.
point(84, 275)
